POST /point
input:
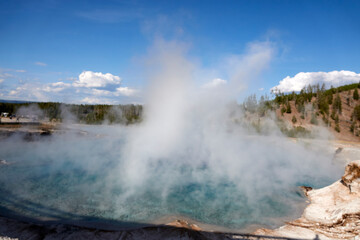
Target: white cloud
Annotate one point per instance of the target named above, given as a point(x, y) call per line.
point(60, 84)
point(67, 91)
point(302, 79)
point(4, 75)
point(72, 79)
point(120, 91)
point(215, 83)
point(56, 87)
point(90, 87)
point(91, 79)
point(20, 71)
point(30, 92)
point(99, 92)
point(42, 64)
point(125, 91)
point(261, 89)
point(90, 100)
point(16, 91)
point(94, 100)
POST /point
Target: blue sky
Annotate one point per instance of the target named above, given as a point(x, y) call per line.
point(62, 50)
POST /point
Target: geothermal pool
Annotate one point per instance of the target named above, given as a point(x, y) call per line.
point(235, 183)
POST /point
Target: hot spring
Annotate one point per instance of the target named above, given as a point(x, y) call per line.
point(193, 156)
point(240, 182)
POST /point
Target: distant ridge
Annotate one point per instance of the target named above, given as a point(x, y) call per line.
point(15, 101)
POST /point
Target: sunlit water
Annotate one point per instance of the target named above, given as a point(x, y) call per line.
point(73, 177)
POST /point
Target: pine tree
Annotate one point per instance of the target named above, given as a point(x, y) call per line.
point(356, 94)
point(330, 99)
point(337, 104)
point(288, 107)
point(356, 113)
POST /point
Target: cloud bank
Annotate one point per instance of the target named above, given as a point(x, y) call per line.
point(302, 79)
point(96, 79)
point(89, 87)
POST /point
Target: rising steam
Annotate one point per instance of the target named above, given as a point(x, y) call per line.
point(188, 157)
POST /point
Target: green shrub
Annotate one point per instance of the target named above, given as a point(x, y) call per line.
point(333, 115)
point(337, 127)
point(296, 132)
point(283, 109)
point(352, 127)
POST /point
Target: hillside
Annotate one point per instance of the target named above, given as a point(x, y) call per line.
point(337, 109)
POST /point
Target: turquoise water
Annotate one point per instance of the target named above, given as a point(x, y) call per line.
point(74, 178)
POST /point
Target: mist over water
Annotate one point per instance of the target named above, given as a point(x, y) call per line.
point(189, 157)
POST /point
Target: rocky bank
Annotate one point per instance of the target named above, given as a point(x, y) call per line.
point(333, 212)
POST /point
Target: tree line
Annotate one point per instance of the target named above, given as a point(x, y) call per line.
point(84, 113)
